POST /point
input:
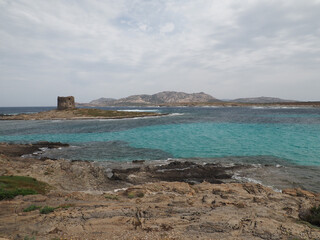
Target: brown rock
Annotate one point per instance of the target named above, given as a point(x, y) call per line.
point(158, 210)
point(299, 193)
point(290, 191)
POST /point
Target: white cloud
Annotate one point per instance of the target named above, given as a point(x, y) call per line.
point(120, 47)
point(167, 28)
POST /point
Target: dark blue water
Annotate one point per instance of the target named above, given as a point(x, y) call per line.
point(18, 110)
point(267, 136)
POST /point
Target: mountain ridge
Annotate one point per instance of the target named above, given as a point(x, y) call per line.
point(179, 98)
point(261, 100)
point(165, 97)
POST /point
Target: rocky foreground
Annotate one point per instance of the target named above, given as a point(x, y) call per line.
point(91, 202)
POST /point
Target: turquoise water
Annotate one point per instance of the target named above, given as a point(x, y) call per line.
point(276, 147)
point(297, 143)
point(290, 135)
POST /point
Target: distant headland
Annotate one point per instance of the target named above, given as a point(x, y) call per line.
point(171, 98)
point(66, 110)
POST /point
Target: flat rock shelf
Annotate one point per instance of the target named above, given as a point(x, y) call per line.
point(175, 201)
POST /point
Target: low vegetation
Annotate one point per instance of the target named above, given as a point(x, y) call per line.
point(10, 194)
point(12, 186)
point(111, 196)
point(29, 238)
point(93, 112)
point(312, 216)
point(79, 113)
point(135, 194)
point(31, 208)
point(47, 209)
point(66, 206)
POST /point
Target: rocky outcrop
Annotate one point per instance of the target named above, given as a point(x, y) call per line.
point(65, 103)
point(89, 203)
point(17, 150)
point(85, 175)
point(162, 210)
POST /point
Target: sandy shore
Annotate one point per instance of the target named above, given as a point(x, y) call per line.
point(147, 202)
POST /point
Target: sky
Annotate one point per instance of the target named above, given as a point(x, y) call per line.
point(116, 48)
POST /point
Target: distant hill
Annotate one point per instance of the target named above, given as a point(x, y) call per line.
point(180, 98)
point(155, 99)
point(261, 100)
point(102, 101)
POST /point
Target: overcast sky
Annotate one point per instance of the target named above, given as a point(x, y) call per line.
point(91, 49)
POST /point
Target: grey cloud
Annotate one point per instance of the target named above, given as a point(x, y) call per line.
point(116, 48)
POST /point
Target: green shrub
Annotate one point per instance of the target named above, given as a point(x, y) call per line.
point(47, 209)
point(312, 216)
point(29, 238)
point(131, 195)
point(135, 194)
point(11, 186)
point(140, 194)
point(31, 208)
point(66, 206)
point(10, 194)
point(111, 196)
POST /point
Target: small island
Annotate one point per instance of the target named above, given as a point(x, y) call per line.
point(66, 110)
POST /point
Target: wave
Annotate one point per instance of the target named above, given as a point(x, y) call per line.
point(176, 114)
point(137, 110)
point(122, 119)
point(242, 179)
point(278, 107)
point(211, 106)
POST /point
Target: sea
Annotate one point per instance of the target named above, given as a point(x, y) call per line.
point(278, 146)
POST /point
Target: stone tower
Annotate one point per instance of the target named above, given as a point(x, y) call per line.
point(66, 103)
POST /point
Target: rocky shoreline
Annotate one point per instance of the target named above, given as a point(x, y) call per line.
point(179, 200)
point(79, 114)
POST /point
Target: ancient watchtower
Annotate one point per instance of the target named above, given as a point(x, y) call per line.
point(66, 103)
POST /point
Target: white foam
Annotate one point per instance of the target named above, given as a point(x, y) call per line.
point(278, 107)
point(252, 180)
point(176, 114)
point(137, 110)
point(211, 106)
point(124, 119)
point(120, 189)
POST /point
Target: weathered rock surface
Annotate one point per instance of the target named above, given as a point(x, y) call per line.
point(164, 210)
point(85, 175)
point(176, 171)
point(88, 206)
point(16, 150)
